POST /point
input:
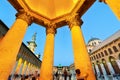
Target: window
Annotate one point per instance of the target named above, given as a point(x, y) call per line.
point(89, 50)
point(110, 51)
point(106, 53)
point(102, 54)
point(99, 42)
point(115, 49)
point(94, 57)
point(94, 43)
point(99, 55)
point(119, 45)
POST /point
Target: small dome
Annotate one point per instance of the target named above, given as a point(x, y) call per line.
point(92, 39)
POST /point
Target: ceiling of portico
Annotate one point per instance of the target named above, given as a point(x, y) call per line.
point(51, 10)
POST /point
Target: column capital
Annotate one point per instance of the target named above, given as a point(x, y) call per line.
point(74, 20)
point(51, 28)
point(24, 16)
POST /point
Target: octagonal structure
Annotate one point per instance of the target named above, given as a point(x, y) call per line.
point(56, 11)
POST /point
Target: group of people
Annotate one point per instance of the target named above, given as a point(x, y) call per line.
point(63, 75)
point(57, 76)
point(66, 75)
point(34, 76)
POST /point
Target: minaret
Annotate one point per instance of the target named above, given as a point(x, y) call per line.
point(32, 44)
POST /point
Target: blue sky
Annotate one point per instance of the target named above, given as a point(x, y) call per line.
point(99, 21)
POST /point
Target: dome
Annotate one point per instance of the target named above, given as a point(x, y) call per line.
point(94, 41)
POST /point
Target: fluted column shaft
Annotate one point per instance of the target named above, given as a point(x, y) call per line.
point(11, 42)
point(81, 56)
point(46, 71)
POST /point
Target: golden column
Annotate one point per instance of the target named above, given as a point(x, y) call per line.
point(81, 56)
point(114, 5)
point(10, 44)
point(46, 71)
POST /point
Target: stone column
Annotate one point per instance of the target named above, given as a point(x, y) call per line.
point(118, 63)
point(104, 71)
point(28, 69)
point(14, 69)
point(10, 44)
point(46, 72)
point(21, 67)
point(81, 56)
point(25, 70)
point(25, 67)
point(97, 71)
point(18, 66)
point(110, 68)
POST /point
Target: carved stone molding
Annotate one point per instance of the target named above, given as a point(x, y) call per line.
point(51, 28)
point(74, 20)
point(24, 16)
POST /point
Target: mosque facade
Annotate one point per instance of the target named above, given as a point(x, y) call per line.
point(105, 57)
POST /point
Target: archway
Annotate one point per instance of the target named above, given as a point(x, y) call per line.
point(99, 67)
point(106, 66)
point(114, 65)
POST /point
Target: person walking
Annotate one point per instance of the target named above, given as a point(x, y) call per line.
point(65, 74)
point(69, 74)
point(79, 76)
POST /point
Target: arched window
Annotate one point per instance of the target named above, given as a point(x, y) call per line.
point(119, 45)
point(102, 54)
point(94, 43)
point(94, 58)
point(99, 67)
point(106, 67)
point(94, 69)
point(110, 51)
point(99, 55)
point(115, 49)
point(106, 53)
point(114, 65)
